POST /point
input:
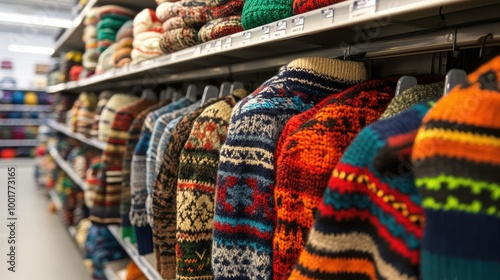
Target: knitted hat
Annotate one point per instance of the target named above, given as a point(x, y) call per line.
point(261, 12)
point(108, 113)
point(246, 176)
point(146, 20)
point(146, 46)
point(102, 99)
point(302, 6)
point(198, 165)
point(178, 39)
point(106, 60)
point(219, 28)
point(174, 23)
point(309, 156)
point(456, 155)
point(122, 52)
point(412, 96)
point(164, 195)
point(368, 224)
point(125, 31)
point(85, 116)
point(167, 10)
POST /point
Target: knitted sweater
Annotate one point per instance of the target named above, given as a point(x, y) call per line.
point(309, 156)
point(165, 137)
point(108, 113)
point(369, 222)
point(198, 165)
point(164, 195)
point(92, 180)
point(457, 159)
point(85, 116)
point(244, 215)
point(138, 188)
point(412, 96)
point(101, 103)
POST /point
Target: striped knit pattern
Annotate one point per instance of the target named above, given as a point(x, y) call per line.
point(92, 180)
point(199, 161)
point(138, 188)
point(457, 159)
point(412, 96)
point(369, 223)
point(309, 156)
point(164, 196)
point(134, 134)
point(244, 216)
point(101, 103)
point(108, 113)
point(85, 116)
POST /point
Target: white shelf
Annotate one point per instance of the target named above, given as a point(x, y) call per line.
point(25, 108)
point(24, 89)
point(78, 136)
point(21, 122)
point(19, 142)
point(146, 267)
point(318, 32)
point(114, 268)
point(64, 165)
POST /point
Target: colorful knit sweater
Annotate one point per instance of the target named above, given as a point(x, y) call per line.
point(164, 195)
point(199, 161)
point(457, 170)
point(108, 113)
point(412, 96)
point(309, 156)
point(113, 158)
point(244, 215)
point(369, 222)
point(134, 134)
point(101, 103)
point(165, 137)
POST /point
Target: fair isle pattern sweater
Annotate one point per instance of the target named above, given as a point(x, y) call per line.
point(244, 214)
point(199, 161)
point(164, 195)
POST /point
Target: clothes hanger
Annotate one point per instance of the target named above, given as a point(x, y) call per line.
point(453, 78)
point(167, 93)
point(236, 85)
point(149, 94)
point(208, 93)
point(225, 89)
point(404, 83)
point(192, 93)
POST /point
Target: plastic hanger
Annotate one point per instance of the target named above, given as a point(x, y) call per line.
point(149, 94)
point(236, 85)
point(404, 83)
point(225, 89)
point(167, 93)
point(208, 93)
point(454, 77)
point(192, 93)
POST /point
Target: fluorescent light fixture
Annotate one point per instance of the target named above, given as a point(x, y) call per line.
point(35, 20)
point(30, 49)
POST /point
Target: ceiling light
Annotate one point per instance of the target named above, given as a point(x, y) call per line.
point(30, 49)
point(35, 20)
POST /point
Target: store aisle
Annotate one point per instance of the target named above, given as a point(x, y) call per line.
point(44, 248)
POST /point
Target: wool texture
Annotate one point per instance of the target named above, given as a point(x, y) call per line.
point(146, 46)
point(125, 31)
point(457, 167)
point(165, 137)
point(309, 155)
point(368, 224)
point(92, 180)
point(412, 96)
point(85, 116)
point(144, 21)
point(219, 28)
point(91, 18)
point(167, 10)
point(261, 12)
point(122, 54)
point(178, 39)
point(174, 23)
point(303, 6)
point(198, 163)
point(113, 10)
point(108, 113)
point(197, 16)
point(103, 98)
point(164, 196)
point(244, 216)
point(106, 60)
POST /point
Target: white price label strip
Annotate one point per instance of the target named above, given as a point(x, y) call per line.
point(227, 43)
point(247, 38)
point(361, 8)
point(298, 24)
point(218, 45)
point(327, 16)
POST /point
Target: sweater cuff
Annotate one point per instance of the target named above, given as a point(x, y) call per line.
point(144, 237)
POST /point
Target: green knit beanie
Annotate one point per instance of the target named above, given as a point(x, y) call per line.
point(261, 12)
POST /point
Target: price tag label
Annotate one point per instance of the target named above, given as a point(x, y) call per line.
point(247, 38)
point(218, 45)
point(361, 8)
point(327, 16)
point(207, 48)
point(197, 50)
point(266, 30)
point(227, 43)
point(280, 29)
point(298, 24)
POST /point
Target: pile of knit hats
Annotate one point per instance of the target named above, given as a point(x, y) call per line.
point(89, 38)
point(183, 20)
point(147, 32)
point(103, 98)
point(123, 49)
point(72, 58)
point(111, 18)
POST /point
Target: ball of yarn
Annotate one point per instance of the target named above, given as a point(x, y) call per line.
point(30, 98)
point(18, 97)
point(8, 153)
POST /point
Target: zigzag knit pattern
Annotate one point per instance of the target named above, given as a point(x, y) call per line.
point(309, 156)
point(457, 159)
point(369, 223)
point(164, 195)
point(199, 161)
point(244, 215)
